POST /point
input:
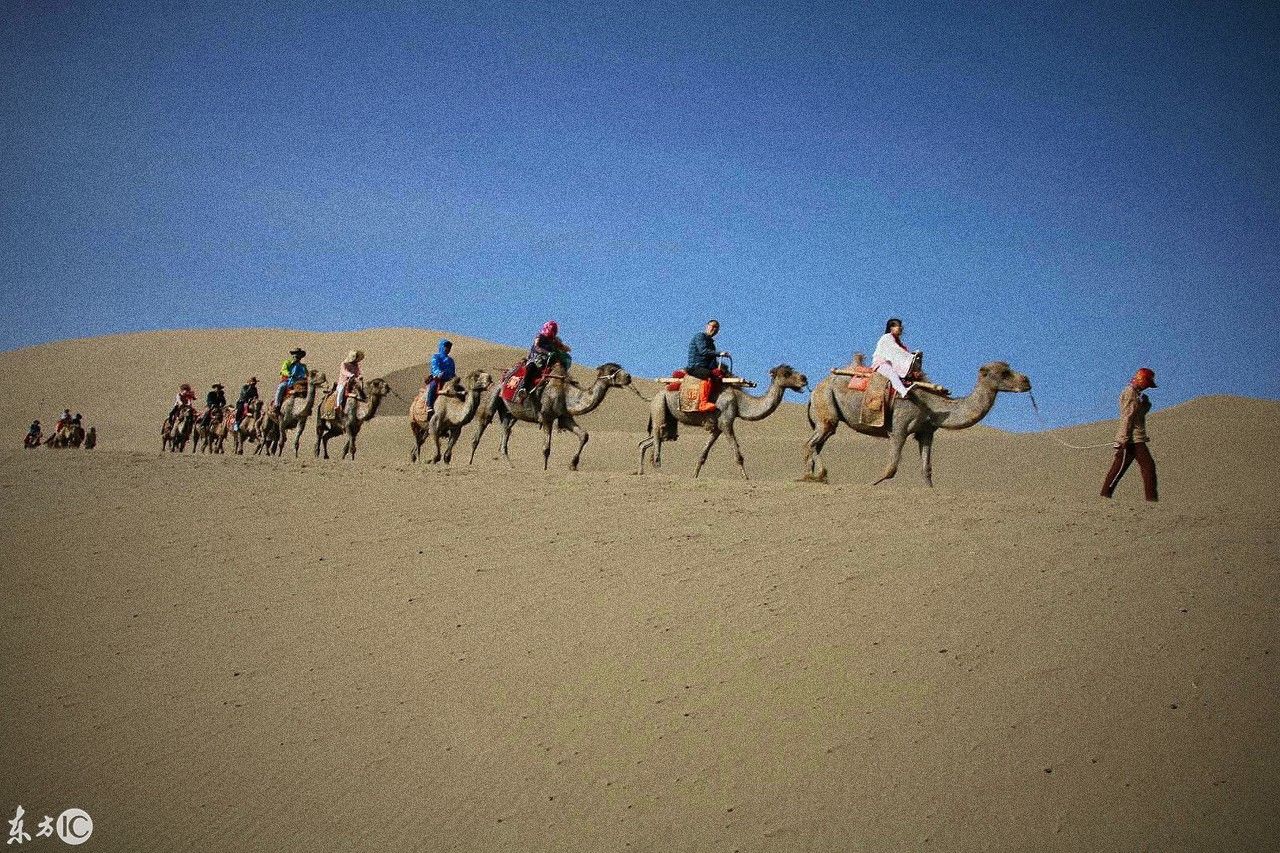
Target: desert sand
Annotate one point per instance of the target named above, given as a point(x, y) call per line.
point(241, 653)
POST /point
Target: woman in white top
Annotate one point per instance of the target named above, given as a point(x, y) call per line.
point(892, 358)
point(349, 376)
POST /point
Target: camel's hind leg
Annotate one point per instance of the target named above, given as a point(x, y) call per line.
point(547, 430)
point(483, 419)
point(815, 470)
point(702, 457)
point(508, 424)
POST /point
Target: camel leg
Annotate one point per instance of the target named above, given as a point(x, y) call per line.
point(702, 458)
point(645, 444)
point(583, 437)
point(925, 440)
point(546, 444)
point(737, 449)
point(508, 424)
point(815, 469)
point(482, 424)
point(448, 448)
point(896, 441)
point(435, 436)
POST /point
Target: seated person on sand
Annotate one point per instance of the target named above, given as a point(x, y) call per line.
point(292, 372)
point(442, 370)
point(704, 364)
point(547, 350)
point(34, 435)
point(349, 378)
point(892, 359)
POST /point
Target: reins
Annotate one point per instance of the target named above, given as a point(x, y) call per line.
point(1055, 436)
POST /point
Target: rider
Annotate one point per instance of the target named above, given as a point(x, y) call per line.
point(292, 371)
point(892, 359)
point(547, 350)
point(349, 376)
point(184, 397)
point(703, 363)
point(248, 394)
point(34, 435)
point(63, 420)
point(215, 399)
point(442, 370)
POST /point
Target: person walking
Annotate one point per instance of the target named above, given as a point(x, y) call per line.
point(1131, 437)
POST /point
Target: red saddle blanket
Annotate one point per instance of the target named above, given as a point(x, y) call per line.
point(513, 378)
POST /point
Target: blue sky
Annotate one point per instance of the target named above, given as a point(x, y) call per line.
point(1078, 189)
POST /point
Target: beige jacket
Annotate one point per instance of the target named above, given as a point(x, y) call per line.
point(1134, 406)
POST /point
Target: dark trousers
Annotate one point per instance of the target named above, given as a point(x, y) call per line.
point(1125, 456)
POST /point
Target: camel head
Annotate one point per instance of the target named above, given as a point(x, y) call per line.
point(786, 377)
point(613, 374)
point(378, 387)
point(478, 380)
point(999, 375)
point(316, 377)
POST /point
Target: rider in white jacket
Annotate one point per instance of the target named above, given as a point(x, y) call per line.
point(892, 358)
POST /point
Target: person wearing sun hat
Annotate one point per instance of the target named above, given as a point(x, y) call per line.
point(248, 393)
point(292, 371)
point(215, 399)
point(348, 376)
point(1131, 437)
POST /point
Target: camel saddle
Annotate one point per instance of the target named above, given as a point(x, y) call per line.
point(298, 389)
point(877, 400)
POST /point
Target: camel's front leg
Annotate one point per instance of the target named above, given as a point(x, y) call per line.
point(508, 424)
point(925, 440)
point(737, 449)
point(583, 437)
point(896, 439)
point(448, 447)
point(547, 429)
point(702, 458)
point(482, 423)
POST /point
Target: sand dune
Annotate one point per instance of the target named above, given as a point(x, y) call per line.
point(252, 654)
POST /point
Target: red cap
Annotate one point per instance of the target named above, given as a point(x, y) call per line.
point(550, 329)
point(1145, 378)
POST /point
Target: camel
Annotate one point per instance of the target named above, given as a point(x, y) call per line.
point(249, 428)
point(175, 434)
point(355, 412)
point(920, 415)
point(731, 404)
point(294, 412)
point(212, 435)
point(91, 438)
point(69, 435)
point(456, 404)
point(555, 405)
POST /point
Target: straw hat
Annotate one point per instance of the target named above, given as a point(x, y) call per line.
point(355, 355)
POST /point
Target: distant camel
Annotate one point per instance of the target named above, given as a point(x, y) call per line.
point(248, 429)
point(919, 415)
point(456, 405)
point(91, 438)
point(293, 413)
point(355, 412)
point(175, 433)
point(212, 434)
point(69, 435)
point(731, 404)
point(549, 408)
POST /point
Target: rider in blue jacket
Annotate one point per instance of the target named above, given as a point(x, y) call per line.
point(442, 370)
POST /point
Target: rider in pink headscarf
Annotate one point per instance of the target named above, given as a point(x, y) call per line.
point(547, 350)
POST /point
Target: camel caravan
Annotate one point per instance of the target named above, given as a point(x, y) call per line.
point(891, 399)
point(68, 432)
